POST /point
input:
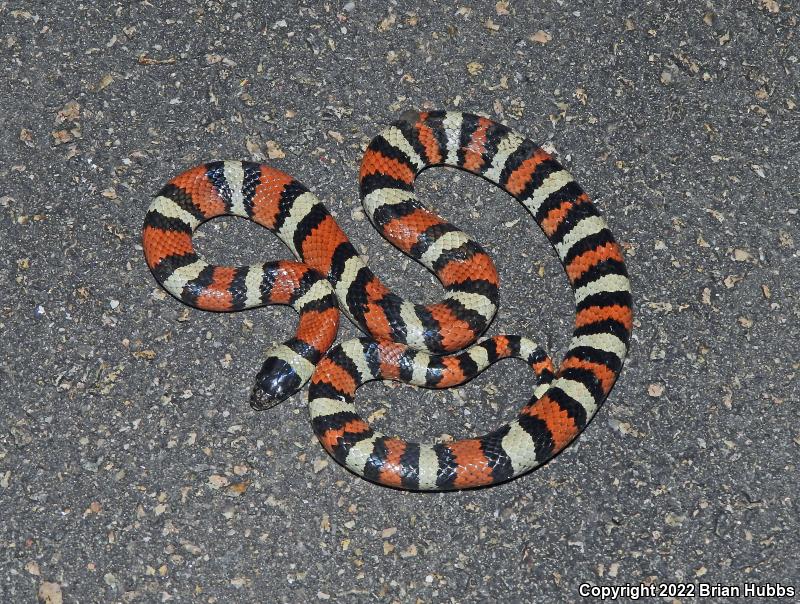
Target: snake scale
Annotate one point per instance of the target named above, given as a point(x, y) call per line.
point(434, 346)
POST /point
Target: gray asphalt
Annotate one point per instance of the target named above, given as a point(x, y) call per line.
point(132, 468)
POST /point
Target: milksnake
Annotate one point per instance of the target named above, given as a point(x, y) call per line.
point(412, 343)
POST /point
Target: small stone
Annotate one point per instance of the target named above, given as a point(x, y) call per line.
point(113, 304)
point(50, 593)
point(215, 481)
point(388, 532)
point(33, 568)
point(655, 390)
point(410, 551)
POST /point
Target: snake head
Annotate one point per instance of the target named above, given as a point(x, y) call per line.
point(276, 382)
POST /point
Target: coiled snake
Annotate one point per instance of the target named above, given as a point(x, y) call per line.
point(409, 342)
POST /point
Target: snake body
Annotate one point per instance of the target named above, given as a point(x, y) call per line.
point(408, 342)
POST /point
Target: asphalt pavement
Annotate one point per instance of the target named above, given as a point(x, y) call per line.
point(132, 468)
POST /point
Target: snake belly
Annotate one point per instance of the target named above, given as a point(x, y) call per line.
point(562, 404)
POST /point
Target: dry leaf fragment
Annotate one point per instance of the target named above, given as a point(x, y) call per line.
point(70, 112)
point(61, 137)
point(474, 68)
point(491, 25)
point(274, 151)
point(770, 5)
point(387, 22)
point(26, 136)
point(731, 280)
point(237, 489)
point(252, 146)
point(541, 36)
point(379, 414)
point(145, 60)
point(105, 81)
point(655, 390)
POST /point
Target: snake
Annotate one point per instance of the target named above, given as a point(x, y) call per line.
point(438, 345)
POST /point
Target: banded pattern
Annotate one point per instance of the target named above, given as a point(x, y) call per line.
point(392, 461)
point(252, 191)
point(403, 333)
point(563, 405)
